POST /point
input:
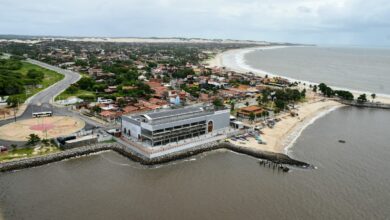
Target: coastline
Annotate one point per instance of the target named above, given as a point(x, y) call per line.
point(234, 60)
point(276, 158)
point(282, 137)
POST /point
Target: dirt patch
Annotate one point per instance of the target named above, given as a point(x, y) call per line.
point(47, 127)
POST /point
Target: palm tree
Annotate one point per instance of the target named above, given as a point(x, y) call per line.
point(373, 96)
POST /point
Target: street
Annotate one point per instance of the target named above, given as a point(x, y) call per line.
point(43, 100)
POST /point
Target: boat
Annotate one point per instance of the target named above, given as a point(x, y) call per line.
point(342, 141)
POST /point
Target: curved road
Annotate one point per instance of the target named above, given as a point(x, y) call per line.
point(43, 100)
point(46, 96)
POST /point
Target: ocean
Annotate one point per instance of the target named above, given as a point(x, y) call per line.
point(358, 69)
point(351, 181)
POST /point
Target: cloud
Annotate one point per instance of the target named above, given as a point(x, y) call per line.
point(352, 21)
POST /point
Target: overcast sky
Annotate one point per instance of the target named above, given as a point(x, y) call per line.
point(357, 22)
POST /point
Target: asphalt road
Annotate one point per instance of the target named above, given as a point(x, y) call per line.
point(42, 101)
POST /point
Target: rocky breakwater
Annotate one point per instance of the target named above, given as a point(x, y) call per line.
point(276, 158)
point(50, 158)
point(127, 152)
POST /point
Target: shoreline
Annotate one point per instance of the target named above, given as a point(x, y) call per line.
point(285, 133)
point(283, 136)
point(224, 59)
point(277, 158)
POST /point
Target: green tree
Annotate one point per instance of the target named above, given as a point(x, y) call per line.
point(373, 96)
point(96, 109)
point(13, 101)
point(72, 89)
point(303, 93)
point(33, 139)
point(183, 73)
point(86, 83)
point(264, 96)
point(45, 142)
point(315, 88)
point(11, 82)
point(82, 63)
point(280, 104)
point(322, 87)
point(325, 90)
point(14, 146)
point(347, 95)
point(35, 75)
point(218, 102)
point(362, 98)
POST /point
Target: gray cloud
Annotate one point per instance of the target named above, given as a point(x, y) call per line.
point(310, 21)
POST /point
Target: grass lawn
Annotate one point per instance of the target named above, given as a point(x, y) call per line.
point(51, 77)
point(64, 95)
point(26, 153)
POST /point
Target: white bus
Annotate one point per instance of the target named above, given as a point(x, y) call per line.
point(42, 114)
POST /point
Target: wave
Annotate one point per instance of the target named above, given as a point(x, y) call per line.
point(240, 65)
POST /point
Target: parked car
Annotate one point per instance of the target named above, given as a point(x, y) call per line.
point(3, 149)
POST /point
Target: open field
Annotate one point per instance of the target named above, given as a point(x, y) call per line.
point(27, 152)
point(64, 95)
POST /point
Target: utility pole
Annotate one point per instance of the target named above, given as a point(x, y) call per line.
point(15, 109)
point(15, 115)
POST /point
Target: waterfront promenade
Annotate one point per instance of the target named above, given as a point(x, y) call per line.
point(137, 157)
point(187, 144)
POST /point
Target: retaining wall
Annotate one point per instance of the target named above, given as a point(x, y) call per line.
point(127, 152)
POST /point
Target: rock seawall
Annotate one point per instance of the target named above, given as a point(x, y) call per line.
point(127, 152)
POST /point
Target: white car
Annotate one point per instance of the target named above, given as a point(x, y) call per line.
point(3, 148)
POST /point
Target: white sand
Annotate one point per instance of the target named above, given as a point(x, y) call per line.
point(136, 40)
point(281, 138)
point(234, 60)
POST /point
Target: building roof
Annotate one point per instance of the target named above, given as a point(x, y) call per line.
point(252, 108)
point(174, 112)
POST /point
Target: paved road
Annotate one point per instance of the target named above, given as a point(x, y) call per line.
point(42, 101)
point(48, 94)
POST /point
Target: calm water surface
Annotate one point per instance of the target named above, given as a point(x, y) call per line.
point(353, 68)
point(352, 181)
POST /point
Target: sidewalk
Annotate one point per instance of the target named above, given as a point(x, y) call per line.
point(152, 152)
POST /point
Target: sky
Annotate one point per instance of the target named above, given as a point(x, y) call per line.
point(330, 22)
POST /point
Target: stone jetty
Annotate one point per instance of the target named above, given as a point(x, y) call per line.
point(366, 104)
point(127, 152)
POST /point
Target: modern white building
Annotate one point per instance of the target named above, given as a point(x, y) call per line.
point(166, 126)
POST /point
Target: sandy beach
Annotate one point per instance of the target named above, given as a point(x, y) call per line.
point(281, 138)
point(234, 60)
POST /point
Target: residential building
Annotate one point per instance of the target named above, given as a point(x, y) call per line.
point(247, 111)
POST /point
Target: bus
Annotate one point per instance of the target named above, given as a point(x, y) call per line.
point(42, 114)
